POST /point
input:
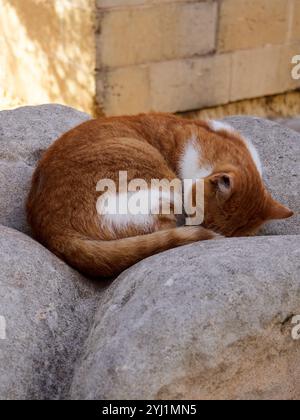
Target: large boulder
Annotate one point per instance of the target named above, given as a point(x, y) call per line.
point(279, 148)
point(25, 134)
point(46, 310)
point(211, 320)
point(208, 321)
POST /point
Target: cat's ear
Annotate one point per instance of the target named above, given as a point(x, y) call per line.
point(223, 183)
point(277, 211)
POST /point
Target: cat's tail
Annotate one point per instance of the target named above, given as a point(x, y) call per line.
point(98, 258)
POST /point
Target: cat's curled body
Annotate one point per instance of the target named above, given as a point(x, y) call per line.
point(62, 204)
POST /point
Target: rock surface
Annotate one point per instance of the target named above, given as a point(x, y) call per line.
point(292, 123)
point(46, 309)
point(211, 320)
point(25, 134)
point(279, 149)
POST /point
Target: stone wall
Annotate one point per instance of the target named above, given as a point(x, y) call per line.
point(182, 55)
point(47, 52)
point(129, 56)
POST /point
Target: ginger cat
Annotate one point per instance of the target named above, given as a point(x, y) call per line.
point(62, 204)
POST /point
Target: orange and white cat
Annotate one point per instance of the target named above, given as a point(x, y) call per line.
point(62, 204)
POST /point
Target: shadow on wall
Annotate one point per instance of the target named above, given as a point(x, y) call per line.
point(48, 51)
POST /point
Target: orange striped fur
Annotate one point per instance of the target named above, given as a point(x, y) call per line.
point(62, 202)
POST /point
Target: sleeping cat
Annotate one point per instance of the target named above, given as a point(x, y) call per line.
point(62, 204)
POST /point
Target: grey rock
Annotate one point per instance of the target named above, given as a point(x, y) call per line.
point(46, 310)
point(14, 187)
point(279, 148)
point(207, 321)
point(211, 320)
point(25, 134)
point(292, 123)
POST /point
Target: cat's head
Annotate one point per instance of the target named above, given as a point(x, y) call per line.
point(237, 202)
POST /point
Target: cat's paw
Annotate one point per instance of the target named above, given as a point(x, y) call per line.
point(197, 233)
point(217, 236)
point(207, 234)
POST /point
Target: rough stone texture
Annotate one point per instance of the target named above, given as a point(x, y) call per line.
point(156, 32)
point(279, 149)
point(287, 67)
point(167, 67)
point(246, 24)
point(25, 134)
point(51, 56)
point(173, 85)
point(58, 64)
point(126, 89)
point(114, 3)
point(296, 21)
point(292, 123)
point(286, 105)
point(263, 71)
point(47, 308)
point(14, 186)
point(190, 84)
point(197, 83)
point(253, 73)
point(214, 322)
